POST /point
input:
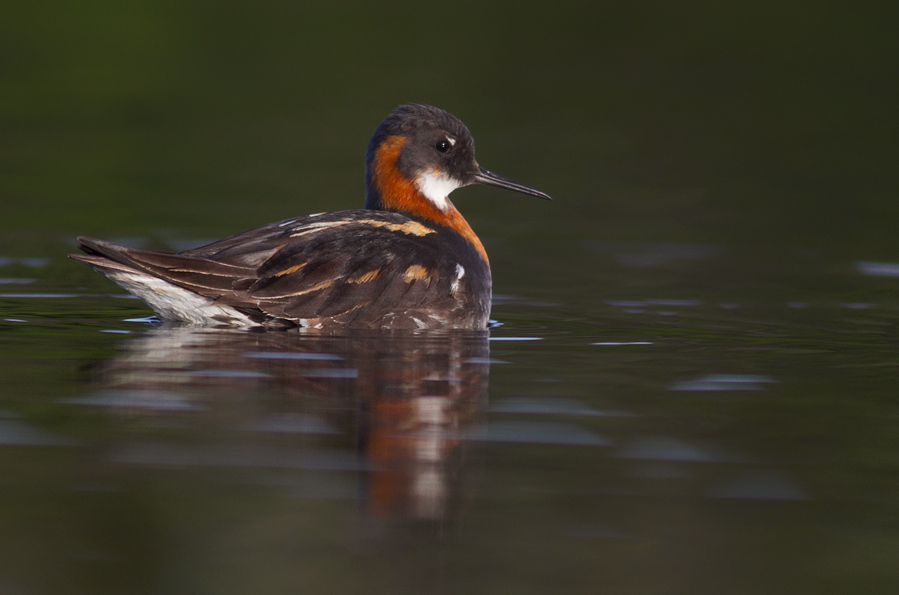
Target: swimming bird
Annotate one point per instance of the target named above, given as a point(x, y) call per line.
point(408, 260)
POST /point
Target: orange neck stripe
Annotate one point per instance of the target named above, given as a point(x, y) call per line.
point(401, 194)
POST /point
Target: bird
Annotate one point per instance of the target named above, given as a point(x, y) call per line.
point(407, 260)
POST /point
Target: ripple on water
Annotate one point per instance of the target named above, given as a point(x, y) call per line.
point(30, 262)
point(534, 433)
point(14, 432)
point(42, 295)
point(289, 355)
point(724, 382)
point(139, 399)
point(244, 455)
point(485, 360)
point(760, 485)
point(288, 423)
point(332, 373)
point(878, 269)
point(551, 406)
point(663, 448)
point(228, 374)
point(15, 281)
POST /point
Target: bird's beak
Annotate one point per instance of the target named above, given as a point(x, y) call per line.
point(485, 176)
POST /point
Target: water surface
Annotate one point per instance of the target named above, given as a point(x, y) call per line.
point(728, 446)
point(692, 384)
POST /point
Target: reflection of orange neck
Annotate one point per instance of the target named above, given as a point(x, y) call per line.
point(399, 193)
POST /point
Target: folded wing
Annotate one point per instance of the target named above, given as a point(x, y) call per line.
point(343, 266)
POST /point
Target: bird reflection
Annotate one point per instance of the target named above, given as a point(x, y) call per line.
point(388, 406)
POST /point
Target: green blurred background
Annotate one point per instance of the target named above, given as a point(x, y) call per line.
point(122, 117)
point(771, 125)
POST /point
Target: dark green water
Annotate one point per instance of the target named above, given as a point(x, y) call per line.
point(695, 386)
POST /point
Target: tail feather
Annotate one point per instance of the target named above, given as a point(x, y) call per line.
point(192, 290)
point(197, 274)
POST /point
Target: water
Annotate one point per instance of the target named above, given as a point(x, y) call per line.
point(692, 385)
point(726, 446)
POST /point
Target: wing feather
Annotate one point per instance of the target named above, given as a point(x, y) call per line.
point(346, 265)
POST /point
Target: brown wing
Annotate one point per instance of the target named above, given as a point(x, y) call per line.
point(348, 265)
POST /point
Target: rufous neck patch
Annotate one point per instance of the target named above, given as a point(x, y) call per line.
point(399, 193)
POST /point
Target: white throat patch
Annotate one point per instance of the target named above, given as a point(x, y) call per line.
point(436, 187)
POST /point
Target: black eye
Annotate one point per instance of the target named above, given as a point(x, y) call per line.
point(442, 145)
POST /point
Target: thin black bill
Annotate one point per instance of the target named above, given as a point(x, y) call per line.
point(485, 176)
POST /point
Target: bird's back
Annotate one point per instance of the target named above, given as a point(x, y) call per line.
point(357, 268)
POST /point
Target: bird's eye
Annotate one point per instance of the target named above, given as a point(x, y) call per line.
point(443, 145)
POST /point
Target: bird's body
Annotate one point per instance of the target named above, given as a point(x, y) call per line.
point(409, 260)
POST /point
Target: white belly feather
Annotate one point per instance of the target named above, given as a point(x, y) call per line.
point(175, 303)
